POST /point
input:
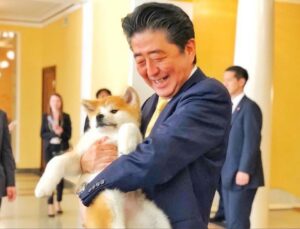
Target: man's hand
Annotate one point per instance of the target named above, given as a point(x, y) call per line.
point(242, 178)
point(98, 156)
point(11, 193)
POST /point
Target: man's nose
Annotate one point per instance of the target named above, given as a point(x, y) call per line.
point(152, 68)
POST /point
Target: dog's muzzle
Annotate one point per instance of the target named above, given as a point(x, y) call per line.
point(101, 123)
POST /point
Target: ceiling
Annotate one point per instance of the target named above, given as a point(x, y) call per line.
point(33, 12)
point(39, 12)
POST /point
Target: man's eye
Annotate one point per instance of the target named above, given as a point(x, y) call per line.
point(113, 111)
point(141, 62)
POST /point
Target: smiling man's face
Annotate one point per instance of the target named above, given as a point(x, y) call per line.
point(163, 66)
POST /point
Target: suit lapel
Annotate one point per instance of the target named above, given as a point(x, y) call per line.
point(150, 105)
point(148, 110)
point(238, 109)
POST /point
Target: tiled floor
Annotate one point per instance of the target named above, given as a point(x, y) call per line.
point(29, 212)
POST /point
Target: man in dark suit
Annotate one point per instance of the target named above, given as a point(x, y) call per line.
point(242, 172)
point(179, 162)
point(7, 162)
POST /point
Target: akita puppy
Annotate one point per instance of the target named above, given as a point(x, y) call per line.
point(118, 119)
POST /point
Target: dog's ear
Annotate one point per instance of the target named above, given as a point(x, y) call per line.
point(131, 97)
point(89, 105)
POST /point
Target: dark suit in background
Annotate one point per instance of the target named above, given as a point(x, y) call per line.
point(243, 154)
point(51, 150)
point(179, 164)
point(7, 162)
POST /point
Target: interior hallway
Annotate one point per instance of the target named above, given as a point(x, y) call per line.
point(28, 212)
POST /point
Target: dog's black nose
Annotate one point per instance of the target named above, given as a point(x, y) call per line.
point(99, 118)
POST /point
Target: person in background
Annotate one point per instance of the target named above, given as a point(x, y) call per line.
point(7, 162)
point(101, 93)
point(185, 123)
point(55, 132)
point(242, 172)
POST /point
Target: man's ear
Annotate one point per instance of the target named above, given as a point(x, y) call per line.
point(89, 105)
point(242, 82)
point(131, 97)
point(190, 48)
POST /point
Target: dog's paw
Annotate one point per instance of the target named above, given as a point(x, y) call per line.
point(43, 189)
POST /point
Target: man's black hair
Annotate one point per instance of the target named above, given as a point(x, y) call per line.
point(160, 16)
point(240, 73)
point(102, 90)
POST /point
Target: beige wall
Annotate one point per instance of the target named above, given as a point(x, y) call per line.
point(62, 44)
point(285, 158)
point(56, 44)
point(214, 22)
point(110, 49)
point(29, 82)
point(215, 34)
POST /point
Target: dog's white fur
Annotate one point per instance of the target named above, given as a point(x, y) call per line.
point(130, 210)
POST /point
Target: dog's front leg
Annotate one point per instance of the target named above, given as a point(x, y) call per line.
point(128, 138)
point(58, 167)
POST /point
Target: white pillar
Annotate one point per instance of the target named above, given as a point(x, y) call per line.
point(86, 57)
point(253, 51)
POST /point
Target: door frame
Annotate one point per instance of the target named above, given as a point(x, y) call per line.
point(45, 99)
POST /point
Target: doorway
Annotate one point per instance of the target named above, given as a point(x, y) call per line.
point(48, 88)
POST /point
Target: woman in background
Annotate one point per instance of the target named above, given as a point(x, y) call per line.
point(56, 132)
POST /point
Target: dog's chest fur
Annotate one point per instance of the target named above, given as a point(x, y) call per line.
point(95, 134)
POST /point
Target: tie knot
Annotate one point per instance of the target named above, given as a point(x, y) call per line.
point(161, 104)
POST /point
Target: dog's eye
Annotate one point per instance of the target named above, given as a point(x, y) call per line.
point(113, 111)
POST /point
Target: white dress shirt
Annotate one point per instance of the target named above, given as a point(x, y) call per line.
point(236, 100)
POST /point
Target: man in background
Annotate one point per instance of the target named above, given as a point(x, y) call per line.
point(242, 172)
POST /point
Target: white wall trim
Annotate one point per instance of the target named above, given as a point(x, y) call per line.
point(18, 97)
point(46, 22)
point(86, 58)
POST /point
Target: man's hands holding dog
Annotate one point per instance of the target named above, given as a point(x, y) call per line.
point(98, 156)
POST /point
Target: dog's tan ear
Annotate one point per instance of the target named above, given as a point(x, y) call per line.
point(89, 105)
point(131, 97)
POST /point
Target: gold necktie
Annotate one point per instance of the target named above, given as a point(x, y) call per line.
point(159, 108)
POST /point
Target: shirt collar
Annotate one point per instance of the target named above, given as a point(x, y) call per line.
point(236, 100)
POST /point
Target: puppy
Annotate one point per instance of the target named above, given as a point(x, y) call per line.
point(118, 119)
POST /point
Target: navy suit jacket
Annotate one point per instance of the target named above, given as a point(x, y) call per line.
point(7, 161)
point(243, 152)
point(178, 165)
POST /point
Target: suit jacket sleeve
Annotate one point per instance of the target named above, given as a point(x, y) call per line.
point(252, 138)
point(8, 159)
point(67, 126)
point(196, 126)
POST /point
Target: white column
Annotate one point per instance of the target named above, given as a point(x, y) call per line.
point(253, 51)
point(86, 58)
